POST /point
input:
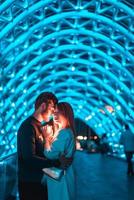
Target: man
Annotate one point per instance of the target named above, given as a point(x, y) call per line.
point(127, 140)
point(30, 147)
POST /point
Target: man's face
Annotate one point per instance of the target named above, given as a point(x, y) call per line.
point(48, 108)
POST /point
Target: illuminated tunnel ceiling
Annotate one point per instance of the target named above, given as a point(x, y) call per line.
point(81, 50)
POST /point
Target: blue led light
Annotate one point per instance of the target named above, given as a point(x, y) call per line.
point(80, 52)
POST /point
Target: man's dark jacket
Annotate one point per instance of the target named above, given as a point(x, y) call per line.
point(30, 149)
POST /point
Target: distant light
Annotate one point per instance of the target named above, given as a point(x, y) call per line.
point(38, 80)
point(122, 156)
point(116, 145)
point(12, 146)
point(25, 77)
point(13, 116)
point(2, 131)
point(118, 91)
point(25, 103)
point(113, 113)
point(73, 68)
point(80, 137)
point(109, 108)
point(78, 146)
point(118, 107)
point(12, 75)
point(3, 142)
point(113, 134)
point(107, 67)
point(7, 147)
point(14, 127)
point(25, 113)
point(102, 111)
point(95, 137)
point(24, 63)
point(24, 91)
point(1, 104)
point(76, 7)
point(93, 114)
point(13, 104)
point(88, 117)
point(25, 45)
point(88, 84)
point(80, 106)
point(85, 137)
point(12, 90)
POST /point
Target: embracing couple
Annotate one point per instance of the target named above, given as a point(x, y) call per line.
point(44, 146)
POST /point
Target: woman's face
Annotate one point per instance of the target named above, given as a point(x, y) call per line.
point(60, 119)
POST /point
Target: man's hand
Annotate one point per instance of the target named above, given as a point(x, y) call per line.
point(65, 162)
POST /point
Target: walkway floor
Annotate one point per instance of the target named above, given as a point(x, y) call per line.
point(101, 177)
point(98, 177)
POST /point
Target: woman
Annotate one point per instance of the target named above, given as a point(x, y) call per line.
point(62, 141)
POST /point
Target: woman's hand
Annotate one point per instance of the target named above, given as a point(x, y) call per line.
point(47, 131)
point(48, 136)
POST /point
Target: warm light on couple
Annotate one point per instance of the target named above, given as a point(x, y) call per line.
point(46, 150)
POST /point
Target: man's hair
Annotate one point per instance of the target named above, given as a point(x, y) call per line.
point(44, 97)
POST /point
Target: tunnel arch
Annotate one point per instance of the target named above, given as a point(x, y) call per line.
point(82, 51)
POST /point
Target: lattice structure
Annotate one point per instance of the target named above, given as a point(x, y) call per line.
point(82, 50)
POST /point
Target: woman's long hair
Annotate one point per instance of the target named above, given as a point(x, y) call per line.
point(67, 111)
